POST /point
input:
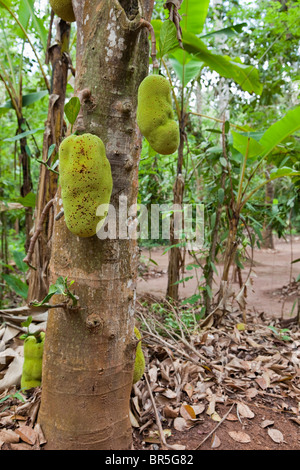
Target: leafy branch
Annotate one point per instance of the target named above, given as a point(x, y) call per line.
point(61, 287)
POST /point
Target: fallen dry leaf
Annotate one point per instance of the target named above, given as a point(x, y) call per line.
point(187, 412)
point(245, 411)
point(189, 389)
point(239, 436)
point(216, 417)
point(180, 424)
point(8, 436)
point(276, 435)
point(27, 434)
point(266, 423)
point(232, 417)
point(215, 442)
point(170, 412)
point(198, 409)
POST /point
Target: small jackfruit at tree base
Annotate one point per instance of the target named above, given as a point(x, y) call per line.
point(63, 9)
point(33, 358)
point(86, 183)
point(139, 365)
point(155, 114)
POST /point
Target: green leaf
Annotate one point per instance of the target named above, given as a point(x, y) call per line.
point(72, 109)
point(280, 130)
point(60, 285)
point(244, 75)
point(28, 200)
point(168, 41)
point(15, 284)
point(192, 300)
point(230, 31)
point(52, 291)
point(27, 322)
point(18, 258)
point(50, 151)
point(285, 171)
point(37, 23)
point(185, 68)
point(194, 13)
point(28, 99)
point(240, 143)
point(23, 135)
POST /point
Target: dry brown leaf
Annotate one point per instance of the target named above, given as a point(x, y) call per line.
point(41, 438)
point(176, 447)
point(27, 434)
point(168, 393)
point(21, 446)
point(170, 412)
point(187, 412)
point(266, 423)
point(276, 435)
point(232, 417)
point(216, 417)
point(245, 411)
point(240, 436)
point(251, 393)
point(211, 407)
point(180, 424)
point(133, 420)
point(198, 409)
point(8, 435)
point(215, 442)
point(152, 372)
point(189, 389)
point(262, 382)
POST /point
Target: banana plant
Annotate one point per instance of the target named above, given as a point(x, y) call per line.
point(255, 150)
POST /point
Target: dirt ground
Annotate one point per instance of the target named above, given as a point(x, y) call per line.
point(272, 271)
point(231, 387)
point(272, 417)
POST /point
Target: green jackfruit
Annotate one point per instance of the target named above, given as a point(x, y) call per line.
point(86, 182)
point(63, 9)
point(139, 365)
point(33, 358)
point(155, 114)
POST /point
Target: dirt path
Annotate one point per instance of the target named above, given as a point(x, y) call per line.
point(271, 272)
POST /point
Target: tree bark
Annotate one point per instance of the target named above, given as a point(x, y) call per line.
point(175, 253)
point(58, 55)
point(89, 352)
point(268, 240)
point(26, 179)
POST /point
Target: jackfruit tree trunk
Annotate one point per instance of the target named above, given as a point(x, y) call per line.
point(58, 56)
point(89, 352)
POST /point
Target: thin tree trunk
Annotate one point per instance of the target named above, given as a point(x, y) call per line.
point(89, 353)
point(268, 240)
point(58, 55)
point(175, 257)
point(26, 179)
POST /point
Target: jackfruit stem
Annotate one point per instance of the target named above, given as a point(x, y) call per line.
point(146, 24)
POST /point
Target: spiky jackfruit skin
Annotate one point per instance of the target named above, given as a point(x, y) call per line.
point(86, 182)
point(63, 9)
point(33, 358)
point(155, 114)
point(139, 365)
